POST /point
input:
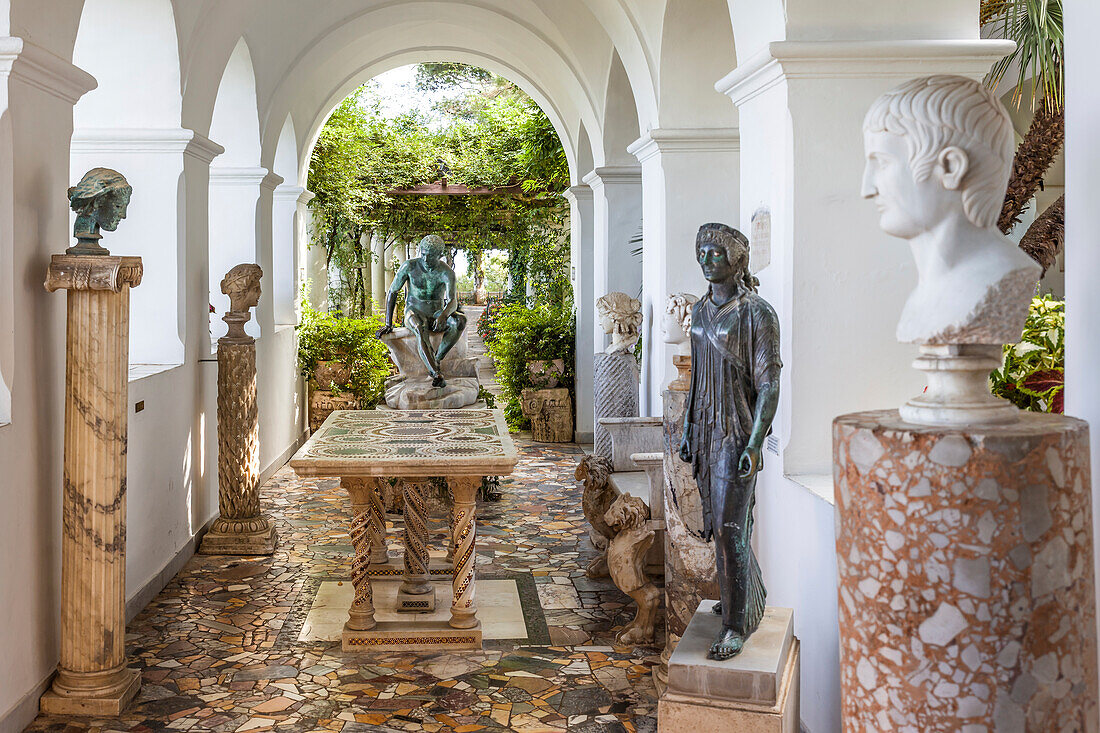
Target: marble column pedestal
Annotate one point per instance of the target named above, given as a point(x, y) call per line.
point(757, 691)
point(615, 385)
point(965, 575)
point(92, 676)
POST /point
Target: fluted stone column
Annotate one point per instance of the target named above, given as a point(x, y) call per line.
point(92, 677)
point(240, 529)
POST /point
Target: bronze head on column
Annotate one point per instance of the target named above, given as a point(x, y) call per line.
point(100, 201)
point(731, 403)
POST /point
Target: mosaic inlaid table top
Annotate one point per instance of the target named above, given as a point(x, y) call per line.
point(408, 443)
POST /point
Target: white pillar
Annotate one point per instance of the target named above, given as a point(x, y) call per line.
point(285, 250)
point(837, 282)
point(377, 275)
point(234, 212)
point(689, 178)
point(1082, 17)
point(581, 275)
point(617, 217)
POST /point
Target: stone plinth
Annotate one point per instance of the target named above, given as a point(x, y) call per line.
point(240, 529)
point(965, 574)
point(757, 690)
point(615, 394)
point(690, 565)
point(551, 414)
point(92, 677)
point(412, 388)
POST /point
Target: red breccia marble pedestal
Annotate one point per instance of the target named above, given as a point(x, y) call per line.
point(965, 570)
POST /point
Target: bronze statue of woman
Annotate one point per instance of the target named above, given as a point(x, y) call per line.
point(730, 406)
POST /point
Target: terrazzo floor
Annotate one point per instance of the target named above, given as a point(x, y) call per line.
point(219, 647)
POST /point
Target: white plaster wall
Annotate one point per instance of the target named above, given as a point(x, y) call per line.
point(581, 254)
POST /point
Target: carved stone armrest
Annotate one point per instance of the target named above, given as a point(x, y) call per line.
point(654, 466)
point(631, 435)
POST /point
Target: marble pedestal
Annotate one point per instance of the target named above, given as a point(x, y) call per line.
point(92, 676)
point(965, 575)
point(615, 386)
point(412, 388)
point(756, 691)
point(690, 565)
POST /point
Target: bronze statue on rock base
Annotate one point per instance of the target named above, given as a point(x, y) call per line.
point(730, 407)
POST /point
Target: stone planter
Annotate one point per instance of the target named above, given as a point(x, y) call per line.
point(331, 372)
point(322, 403)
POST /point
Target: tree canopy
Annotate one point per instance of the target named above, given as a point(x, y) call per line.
point(483, 132)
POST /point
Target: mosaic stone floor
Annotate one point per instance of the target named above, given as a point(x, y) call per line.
point(219, 649)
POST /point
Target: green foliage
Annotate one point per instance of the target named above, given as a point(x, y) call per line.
point(489, 398)
point(523, 334)
point(1036, 27)
point(349, 341)
point(495, 137)
point(1032, 373)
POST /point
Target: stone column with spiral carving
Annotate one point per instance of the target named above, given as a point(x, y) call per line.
point(240, 529)
point(364, 498)
point(92, 677)
point(416, 593)
point(616, 394)
point(464, 532)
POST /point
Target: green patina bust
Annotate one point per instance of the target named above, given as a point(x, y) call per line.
point(431, 304)
point(100, 201)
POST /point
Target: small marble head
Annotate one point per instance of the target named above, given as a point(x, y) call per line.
point(676, 322)
point(935, 147)
point(723, 254)
point(242, 285)
point(100, 201)
point(431, 248)
point(620, 316)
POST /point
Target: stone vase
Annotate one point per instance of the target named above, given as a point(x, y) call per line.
point(965, 562)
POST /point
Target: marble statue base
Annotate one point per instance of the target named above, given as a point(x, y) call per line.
point(615, 384)
point(417, 393)
point(239, 537)
point(415, 602)
point(106, 702)
point(965, 564)
point(758, 690)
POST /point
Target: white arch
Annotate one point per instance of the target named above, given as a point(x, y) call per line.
point(287, 228)
point(695, 55)
point(620, 116)
point(131, 122)
point(235, 179)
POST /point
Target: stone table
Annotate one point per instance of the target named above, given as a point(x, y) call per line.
point(363, 448)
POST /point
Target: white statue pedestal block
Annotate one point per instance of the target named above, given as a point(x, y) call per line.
point(616, 394)
point(757, 690)
point(412, 388)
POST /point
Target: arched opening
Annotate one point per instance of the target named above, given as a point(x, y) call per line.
point(235, 181)
point(289, 229)
point(131, 122)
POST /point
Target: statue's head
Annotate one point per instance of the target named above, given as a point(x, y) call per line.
point(723, 255)
point(431, 248)
point(619, 313)
point(936, 147)
point(676, 323)
point(242, 285)
point(100, 201)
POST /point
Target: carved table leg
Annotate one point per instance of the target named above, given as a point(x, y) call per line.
point(378, 553)
point(463, 608)
point(415, 538)
point(363, 493)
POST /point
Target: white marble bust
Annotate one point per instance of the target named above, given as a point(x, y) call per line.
point(676, 322)
point(939, 151)
point(620, 316)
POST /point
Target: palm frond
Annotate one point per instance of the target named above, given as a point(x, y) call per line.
point(1036, 27)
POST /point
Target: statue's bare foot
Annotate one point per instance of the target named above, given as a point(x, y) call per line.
point(727, 645)
point(716, 609)
point(438, 381)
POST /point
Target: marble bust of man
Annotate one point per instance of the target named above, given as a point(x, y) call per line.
point(620, 316)
point(100, 201)
point(938, 155)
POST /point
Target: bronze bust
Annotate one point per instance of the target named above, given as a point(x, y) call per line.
point(100, 201)
point(730, 407)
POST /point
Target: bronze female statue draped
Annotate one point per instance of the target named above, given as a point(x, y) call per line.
point(730, 407)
